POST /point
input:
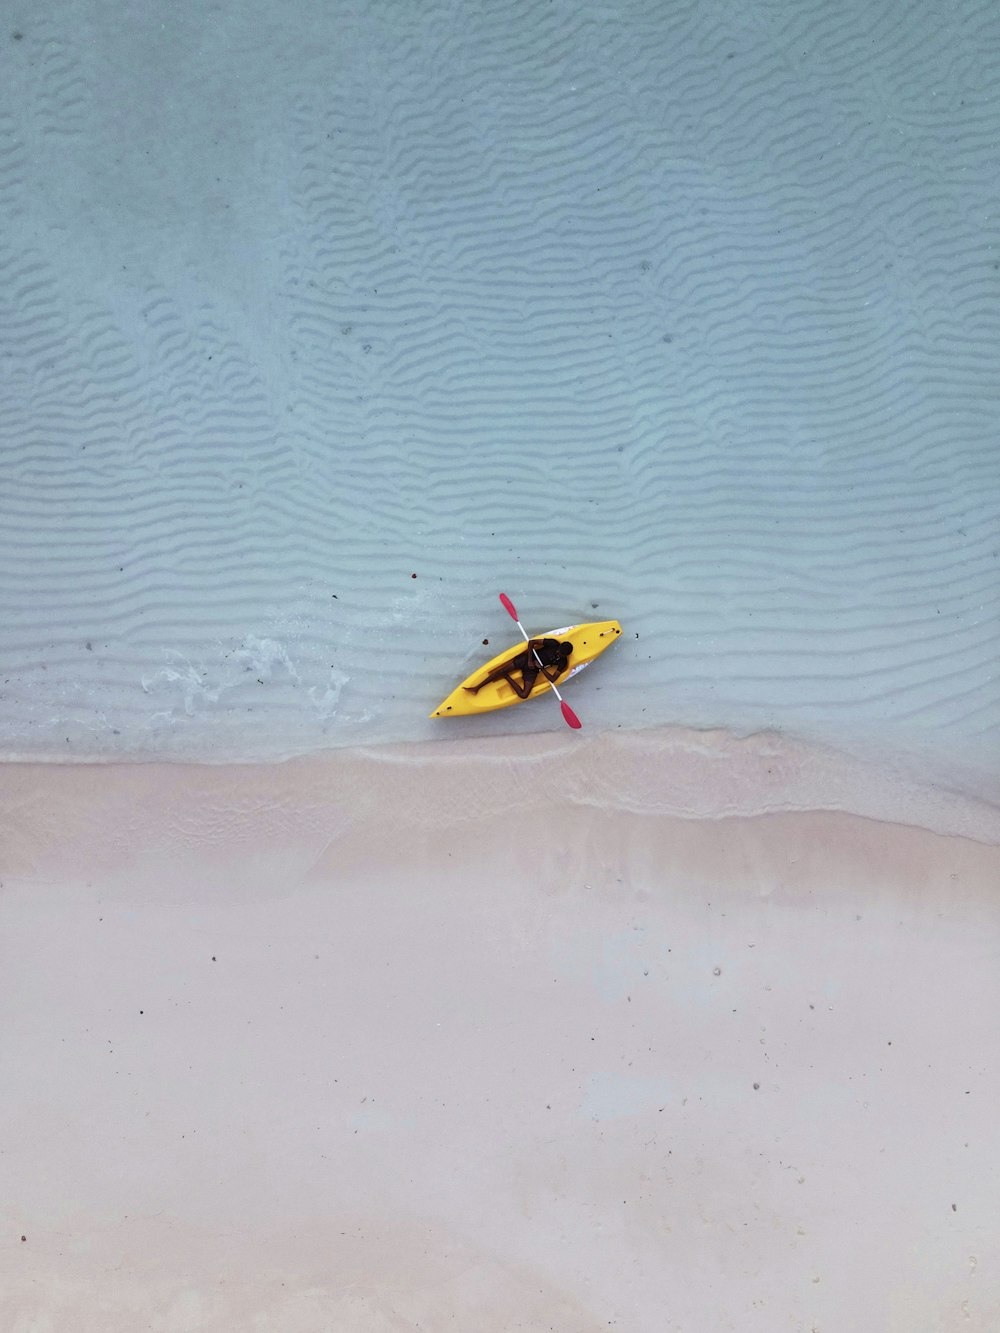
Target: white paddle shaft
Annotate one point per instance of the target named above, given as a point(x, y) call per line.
point(538, 660)
point(569, 716)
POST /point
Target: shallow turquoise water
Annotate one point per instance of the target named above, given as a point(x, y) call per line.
point(321, 331)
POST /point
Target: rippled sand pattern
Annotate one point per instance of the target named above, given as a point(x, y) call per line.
point(688, 316)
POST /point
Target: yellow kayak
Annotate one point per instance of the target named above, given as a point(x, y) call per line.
point(588, 641)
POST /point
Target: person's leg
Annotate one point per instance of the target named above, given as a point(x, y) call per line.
point(523, 689)
point(499, 673)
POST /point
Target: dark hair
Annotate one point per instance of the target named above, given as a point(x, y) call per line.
point(556, 651)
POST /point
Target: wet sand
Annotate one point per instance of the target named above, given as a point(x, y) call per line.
point(425, 1037)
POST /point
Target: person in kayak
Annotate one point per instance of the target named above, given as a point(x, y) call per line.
point(552, 660)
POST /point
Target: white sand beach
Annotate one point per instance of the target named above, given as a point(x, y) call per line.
point(425, 1038)
point(319, 327)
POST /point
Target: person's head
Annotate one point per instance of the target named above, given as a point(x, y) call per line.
point(554, 653)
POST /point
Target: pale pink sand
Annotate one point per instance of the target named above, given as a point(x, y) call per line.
point(412, 1040)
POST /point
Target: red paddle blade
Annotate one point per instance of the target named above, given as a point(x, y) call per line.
point(508, 606)
point(571, 718)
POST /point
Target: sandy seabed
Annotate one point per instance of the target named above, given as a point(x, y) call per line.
point(352, 1044)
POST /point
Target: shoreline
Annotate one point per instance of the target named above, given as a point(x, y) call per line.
point(666, 772)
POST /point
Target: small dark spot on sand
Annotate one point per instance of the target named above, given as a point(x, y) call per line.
point(90, 646)
point(485, 641)
point(17, 36)
point(213, 957)
point(413, 576)
point(333, 594)
point(756, 1087)
point(24, 1237)
point(954, 1209)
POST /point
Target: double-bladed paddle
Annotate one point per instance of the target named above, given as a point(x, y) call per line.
point(571, 718)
